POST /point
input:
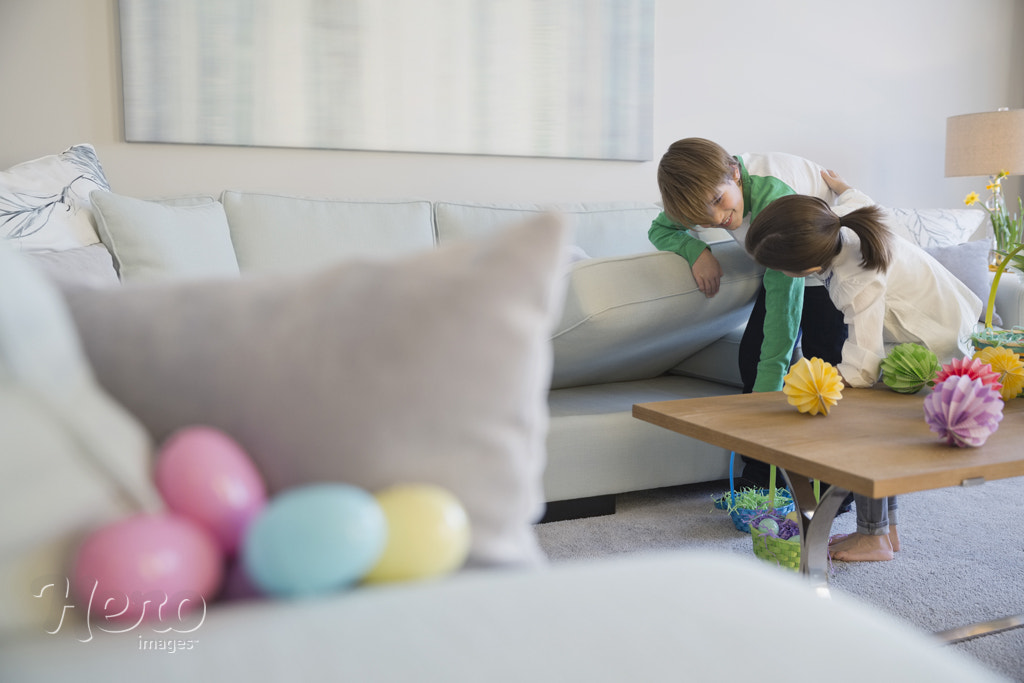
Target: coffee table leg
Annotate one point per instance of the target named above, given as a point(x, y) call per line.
point(815, 521)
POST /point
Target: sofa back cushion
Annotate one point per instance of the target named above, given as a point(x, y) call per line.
point(635, 317)
point(273, 233)
point(178, 238)
point(599, 229)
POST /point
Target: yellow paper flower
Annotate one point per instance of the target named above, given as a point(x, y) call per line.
point(1009, 367)
point(971, 199)
point(813, 386)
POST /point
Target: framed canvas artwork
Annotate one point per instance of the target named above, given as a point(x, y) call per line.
point(547, 78)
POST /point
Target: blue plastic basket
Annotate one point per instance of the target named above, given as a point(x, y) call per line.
point(741, 516)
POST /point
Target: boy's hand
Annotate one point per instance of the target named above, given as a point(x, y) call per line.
point(834, 181)
point(708, 273)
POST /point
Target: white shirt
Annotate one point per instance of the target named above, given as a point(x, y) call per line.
point(916, 300)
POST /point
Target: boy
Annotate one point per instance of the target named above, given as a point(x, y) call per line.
point(702, 185)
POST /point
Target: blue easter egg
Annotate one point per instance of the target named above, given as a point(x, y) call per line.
point(314, 539)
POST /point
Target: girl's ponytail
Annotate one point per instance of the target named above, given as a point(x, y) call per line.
point(868, 224)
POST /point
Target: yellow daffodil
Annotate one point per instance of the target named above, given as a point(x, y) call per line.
point(1009, 367)
point(971, 199)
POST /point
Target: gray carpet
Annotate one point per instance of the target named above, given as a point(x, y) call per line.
point(962, 556)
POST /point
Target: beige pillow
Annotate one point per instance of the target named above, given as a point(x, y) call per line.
point(430, 368)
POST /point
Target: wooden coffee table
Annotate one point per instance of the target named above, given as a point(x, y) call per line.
point(874, 442)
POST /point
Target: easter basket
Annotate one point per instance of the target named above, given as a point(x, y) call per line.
point(1012, 339)
point(741, 511)
point(785, 552)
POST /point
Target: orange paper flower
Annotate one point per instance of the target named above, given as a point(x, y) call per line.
point(813, 386)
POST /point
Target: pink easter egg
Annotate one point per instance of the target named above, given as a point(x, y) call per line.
point(151, 567)
point(203, 474)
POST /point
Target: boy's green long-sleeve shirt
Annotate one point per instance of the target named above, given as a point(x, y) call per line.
point(764, 178)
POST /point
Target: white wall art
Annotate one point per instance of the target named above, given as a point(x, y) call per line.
point(542, 78)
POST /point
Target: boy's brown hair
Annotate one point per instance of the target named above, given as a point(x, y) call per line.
point(689, 175)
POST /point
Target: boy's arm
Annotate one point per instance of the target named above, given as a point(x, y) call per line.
point(667, 235)
point(784, 299)
point(847, 197)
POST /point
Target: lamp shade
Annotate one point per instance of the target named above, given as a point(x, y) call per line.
point(986, 143)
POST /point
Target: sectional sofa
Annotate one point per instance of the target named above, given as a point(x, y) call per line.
point(492, 350)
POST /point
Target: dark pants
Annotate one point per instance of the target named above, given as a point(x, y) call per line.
point(822, 334)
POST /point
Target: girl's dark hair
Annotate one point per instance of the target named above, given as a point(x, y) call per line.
point(797, 232)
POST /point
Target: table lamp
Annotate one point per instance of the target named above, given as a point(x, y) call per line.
point(989, 143)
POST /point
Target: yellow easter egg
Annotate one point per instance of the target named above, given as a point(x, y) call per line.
point(428, 533)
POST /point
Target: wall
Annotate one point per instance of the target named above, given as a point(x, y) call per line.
point(864, 88)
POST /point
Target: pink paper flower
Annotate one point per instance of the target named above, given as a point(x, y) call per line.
point(974, 368)
point(963, 410)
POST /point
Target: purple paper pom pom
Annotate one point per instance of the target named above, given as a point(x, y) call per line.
point(963, 411)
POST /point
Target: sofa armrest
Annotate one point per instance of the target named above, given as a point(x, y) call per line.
point(670, 616)
point(634, 317)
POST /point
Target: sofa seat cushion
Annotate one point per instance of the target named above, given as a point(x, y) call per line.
point(596, 447)
point(635, 317)
point(71, 459)
point(600, 229)
point(430, 368)
point(273, 233)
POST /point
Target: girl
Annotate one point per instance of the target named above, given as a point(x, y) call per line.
point(889, 290)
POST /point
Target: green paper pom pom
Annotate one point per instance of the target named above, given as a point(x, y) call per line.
point(909, 367)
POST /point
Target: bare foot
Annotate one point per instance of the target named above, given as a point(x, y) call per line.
point(862, 548)
point(894, 538)
point(837, 538)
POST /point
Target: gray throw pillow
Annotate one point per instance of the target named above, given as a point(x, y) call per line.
point(429, 368)
point(969, 263)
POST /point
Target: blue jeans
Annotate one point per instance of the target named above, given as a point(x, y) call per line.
point(874, 515)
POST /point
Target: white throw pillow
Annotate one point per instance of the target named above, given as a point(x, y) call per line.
point(44, 203)
point(430, 368)
point(181, 238)
point(935, 227)
point(70, 458)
